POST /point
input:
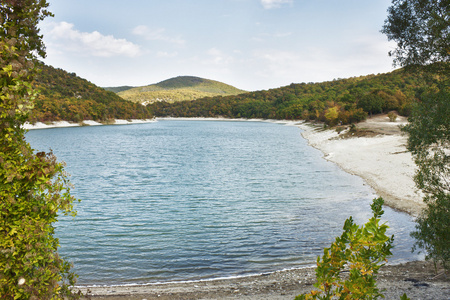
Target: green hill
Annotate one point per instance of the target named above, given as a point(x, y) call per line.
point(341, 101)
point(179, 88)
point(65, 96)
point(118, 88)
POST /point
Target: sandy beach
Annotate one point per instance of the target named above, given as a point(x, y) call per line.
point(378, 155)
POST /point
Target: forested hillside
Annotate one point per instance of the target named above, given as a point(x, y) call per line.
point(65, 96)
point(181, 88)
point(340, 101)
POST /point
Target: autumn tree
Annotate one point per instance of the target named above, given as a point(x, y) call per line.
point(33, 186)
point(331, 115)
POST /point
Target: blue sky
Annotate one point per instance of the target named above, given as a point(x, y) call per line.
point(250, 44)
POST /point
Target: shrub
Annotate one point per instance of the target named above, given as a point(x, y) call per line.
point(33, 186)
point(348, 269)
point(392, 116)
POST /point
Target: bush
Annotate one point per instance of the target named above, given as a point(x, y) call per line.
point(392, 116)
point(348, 269)
point(33, 186)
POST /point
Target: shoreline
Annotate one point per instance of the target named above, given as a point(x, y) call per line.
point(64, 124)
point(381, 161)
point(102, 287)
point(416, 279)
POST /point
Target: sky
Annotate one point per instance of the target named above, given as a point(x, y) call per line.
point(250, 44)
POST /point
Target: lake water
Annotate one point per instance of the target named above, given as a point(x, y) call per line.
point(190, 200)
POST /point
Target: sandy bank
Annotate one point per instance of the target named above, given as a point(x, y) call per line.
point(60, 124)
point(380, 159)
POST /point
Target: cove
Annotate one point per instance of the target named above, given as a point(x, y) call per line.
point(191, 200)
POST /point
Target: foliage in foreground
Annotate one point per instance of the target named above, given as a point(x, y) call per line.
point(421, 30)
point(33, 186)
point(429, 142)
point(348, 269)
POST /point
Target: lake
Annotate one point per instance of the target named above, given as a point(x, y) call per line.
point(192, 200)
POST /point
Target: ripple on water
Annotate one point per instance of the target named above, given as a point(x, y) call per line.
point(179, 200)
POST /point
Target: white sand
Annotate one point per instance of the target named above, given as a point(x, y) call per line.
point(382, 161)
point(40, 125)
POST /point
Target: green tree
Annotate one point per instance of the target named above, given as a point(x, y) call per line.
point(33, 186)
point(361, 251)
point(429, 142)
point(421, 29)
point(371, 103)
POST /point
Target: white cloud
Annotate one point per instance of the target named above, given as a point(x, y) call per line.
point(266, 37)
point(312, 63)
point(157, 35)
point(278, 63)
point(269, 4)
point(217, 57)
point(64, 37)
point(164, 54)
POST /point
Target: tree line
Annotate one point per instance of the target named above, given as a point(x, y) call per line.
point(341, 101)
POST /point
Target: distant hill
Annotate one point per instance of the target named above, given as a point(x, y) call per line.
point(179, 88)
point(118, 88)
point(65, 96)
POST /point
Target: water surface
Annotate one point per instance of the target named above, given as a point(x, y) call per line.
point(187, 200)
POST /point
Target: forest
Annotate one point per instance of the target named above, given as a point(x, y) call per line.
point(65, 96)
point(341, 101)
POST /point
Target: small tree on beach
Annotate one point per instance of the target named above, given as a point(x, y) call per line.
point(33, 186)
point(392, 116)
